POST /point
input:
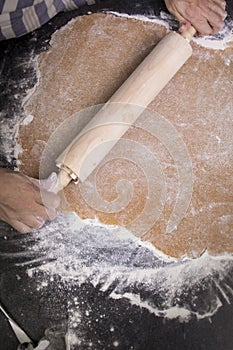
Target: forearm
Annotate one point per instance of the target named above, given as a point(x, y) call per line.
point(17, 18)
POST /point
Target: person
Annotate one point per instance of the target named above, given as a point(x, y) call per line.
point(21, 204)
point(206, 16)
point(18, 17)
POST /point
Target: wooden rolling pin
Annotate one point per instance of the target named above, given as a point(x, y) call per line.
point(119, 113)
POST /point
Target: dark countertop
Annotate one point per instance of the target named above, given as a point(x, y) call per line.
point(36, 310)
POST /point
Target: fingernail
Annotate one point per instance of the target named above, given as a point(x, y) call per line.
point(40, 219)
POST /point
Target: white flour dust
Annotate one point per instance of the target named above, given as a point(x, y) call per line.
point(114, 259)
point(12, 114)
point(220, 41)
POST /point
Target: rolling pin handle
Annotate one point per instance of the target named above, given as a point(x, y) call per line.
point(189, 33)
point(63, 180)
point(142, 86)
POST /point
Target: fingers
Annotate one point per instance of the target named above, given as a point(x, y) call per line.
point(217, 21)
point(207, 17)
point(213, 16)
point(35, 182)
point(173, 7)
point(40, 214)
point(203, 27)
point(219, 8)
point(48, 199)
point(25, 203)
point(45, 213)
point(27, 222)
point(45, 204)
point(42, 191)
point(220, 3)
point(205, 20)
point(20, 227)
point(33, 222)
point(50, 183)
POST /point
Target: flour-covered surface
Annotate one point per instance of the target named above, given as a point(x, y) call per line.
point(12, 97)
point(18, 79)
point(219, 41)
point(117, 261)
point(70, 81)
point(102, 285)
point(72, 254)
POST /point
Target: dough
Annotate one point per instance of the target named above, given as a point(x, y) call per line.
point(88, 60)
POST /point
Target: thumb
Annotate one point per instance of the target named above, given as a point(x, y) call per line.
point(184, 26)
point(50, 183)
point(171, 6)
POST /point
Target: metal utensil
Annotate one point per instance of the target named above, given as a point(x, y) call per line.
point(26, 343)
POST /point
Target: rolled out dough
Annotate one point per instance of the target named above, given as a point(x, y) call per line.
point(88, 60)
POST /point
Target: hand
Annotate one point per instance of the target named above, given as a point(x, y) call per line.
point(206, 16)
point(21, 204)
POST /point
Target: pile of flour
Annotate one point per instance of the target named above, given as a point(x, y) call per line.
point(219, 41)
point(88, 252)
point(114, 259)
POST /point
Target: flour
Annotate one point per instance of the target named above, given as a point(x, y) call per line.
point(12, 114)
point(220, 41)
point(8, 130)
point(113, 259)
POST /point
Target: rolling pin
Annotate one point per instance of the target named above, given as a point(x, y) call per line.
point(117, 115)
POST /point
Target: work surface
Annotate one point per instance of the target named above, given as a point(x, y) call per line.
point(38, 298)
